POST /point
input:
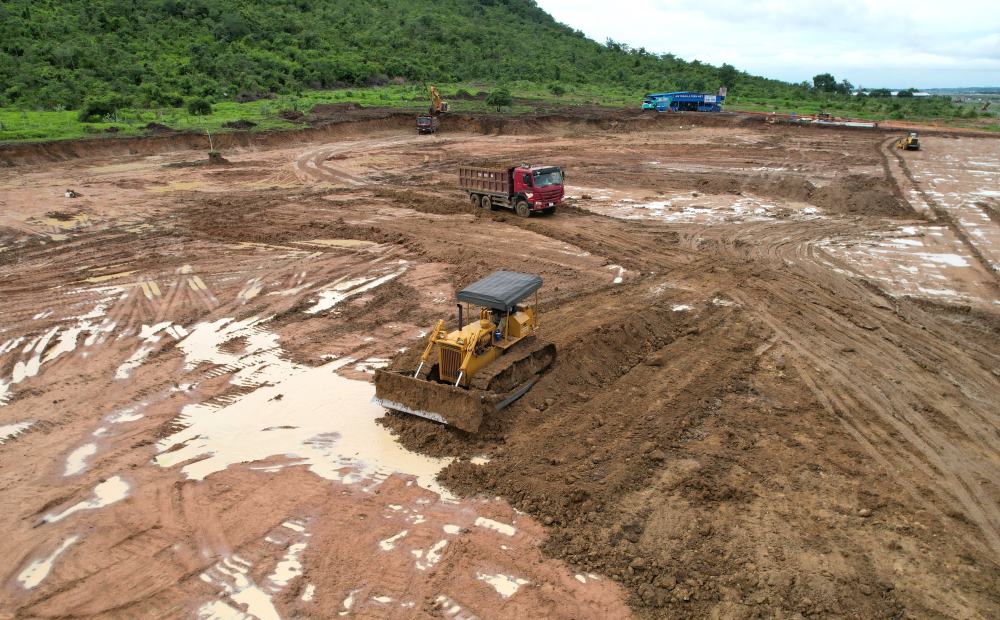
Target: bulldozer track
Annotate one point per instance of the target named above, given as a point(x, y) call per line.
point(512, 369)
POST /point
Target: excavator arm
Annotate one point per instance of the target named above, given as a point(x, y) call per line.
point(437, 104)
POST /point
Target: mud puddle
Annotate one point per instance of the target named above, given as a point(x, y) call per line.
point(930, 262)
point(313, 417)
point(688, 207)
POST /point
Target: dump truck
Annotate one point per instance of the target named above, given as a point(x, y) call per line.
point(478, 368)
point(909, 142)
point(526, 188)
point(426, 124)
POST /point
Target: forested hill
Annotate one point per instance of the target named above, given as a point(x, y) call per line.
point(57, 53)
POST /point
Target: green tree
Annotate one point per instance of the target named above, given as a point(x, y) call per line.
point(825, 82)
point(728, 75)
point(499, 98)
point(199, 107)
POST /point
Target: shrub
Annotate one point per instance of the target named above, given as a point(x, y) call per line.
point(499, 98)
point(557, 90)
point(199, 107)
point(94, 110)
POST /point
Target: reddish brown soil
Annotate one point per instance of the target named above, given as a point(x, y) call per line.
point(742, 426)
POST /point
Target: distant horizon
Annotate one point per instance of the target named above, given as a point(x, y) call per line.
point(918, 43)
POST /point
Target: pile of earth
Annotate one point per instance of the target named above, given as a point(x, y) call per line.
point(624, 451)
point(850, 193)
point(158, 128)
point(239, 124)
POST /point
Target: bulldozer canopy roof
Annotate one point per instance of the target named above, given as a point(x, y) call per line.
point(501, 290)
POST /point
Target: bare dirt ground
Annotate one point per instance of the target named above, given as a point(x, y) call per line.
point(776, 391)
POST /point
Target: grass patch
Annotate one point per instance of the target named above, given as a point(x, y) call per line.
point(30, 125)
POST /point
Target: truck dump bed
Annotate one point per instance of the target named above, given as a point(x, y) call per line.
point(494, 181)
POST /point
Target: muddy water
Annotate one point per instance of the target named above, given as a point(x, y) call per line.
point(686, 207)
point(314, 417)
point(918, 260)
point(963, 178)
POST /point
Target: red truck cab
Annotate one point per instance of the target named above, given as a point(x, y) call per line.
point(525, 189)
point(541, 186)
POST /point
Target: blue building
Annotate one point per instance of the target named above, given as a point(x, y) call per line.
point(683, 101)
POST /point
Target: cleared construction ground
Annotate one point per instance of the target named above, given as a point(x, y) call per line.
point(776, 390)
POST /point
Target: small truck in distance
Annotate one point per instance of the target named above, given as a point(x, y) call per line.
point(526, 189)
point(426, 124)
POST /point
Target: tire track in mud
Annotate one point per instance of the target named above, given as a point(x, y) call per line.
point(942, 214)
point(313, 164)
point(892, 353)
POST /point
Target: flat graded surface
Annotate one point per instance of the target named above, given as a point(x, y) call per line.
point(775, 392)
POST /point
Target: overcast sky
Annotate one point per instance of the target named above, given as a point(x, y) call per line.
point(872, 43)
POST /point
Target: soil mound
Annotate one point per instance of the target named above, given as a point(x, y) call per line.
point(857, 193)
point(291, 115)
point(240, 124)
point(158, 129)
point(860, 194)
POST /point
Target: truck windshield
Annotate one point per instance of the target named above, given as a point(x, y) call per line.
point(552, 176)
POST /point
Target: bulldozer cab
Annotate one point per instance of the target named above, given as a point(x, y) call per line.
point(500, 295)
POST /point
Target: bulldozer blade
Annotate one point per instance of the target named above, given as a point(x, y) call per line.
point(439, 402)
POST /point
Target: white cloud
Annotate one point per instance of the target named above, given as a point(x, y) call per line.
point(899, 43)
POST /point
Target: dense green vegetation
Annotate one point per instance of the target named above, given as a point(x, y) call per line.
point(26, 124)
point(58, 54)
point(73, 67)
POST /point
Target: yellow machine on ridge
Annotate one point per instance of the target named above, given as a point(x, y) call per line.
point(480, 367)
point(437, 105)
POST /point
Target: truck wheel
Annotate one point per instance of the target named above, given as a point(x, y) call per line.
point(487, 203)
point(522, 208)
point(475, 200)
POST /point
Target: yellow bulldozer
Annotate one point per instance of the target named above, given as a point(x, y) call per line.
point(909, 142)
point(479, 368)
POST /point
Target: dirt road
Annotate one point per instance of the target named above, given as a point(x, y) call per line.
point(775, 393)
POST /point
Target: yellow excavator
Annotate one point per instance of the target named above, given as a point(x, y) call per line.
point(479, 368)
point(437, 105)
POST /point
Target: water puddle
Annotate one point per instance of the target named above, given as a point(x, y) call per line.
point(505, 585)
point(921, 261)
point(689, 208)
point(338, 243)
point(63, 338)
point(110, 491)
point(10, 431)
point(76, 462)
point(314, 417)
point(231, 575)
point(490, 524)
point(37, 570)
point(343, 289)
